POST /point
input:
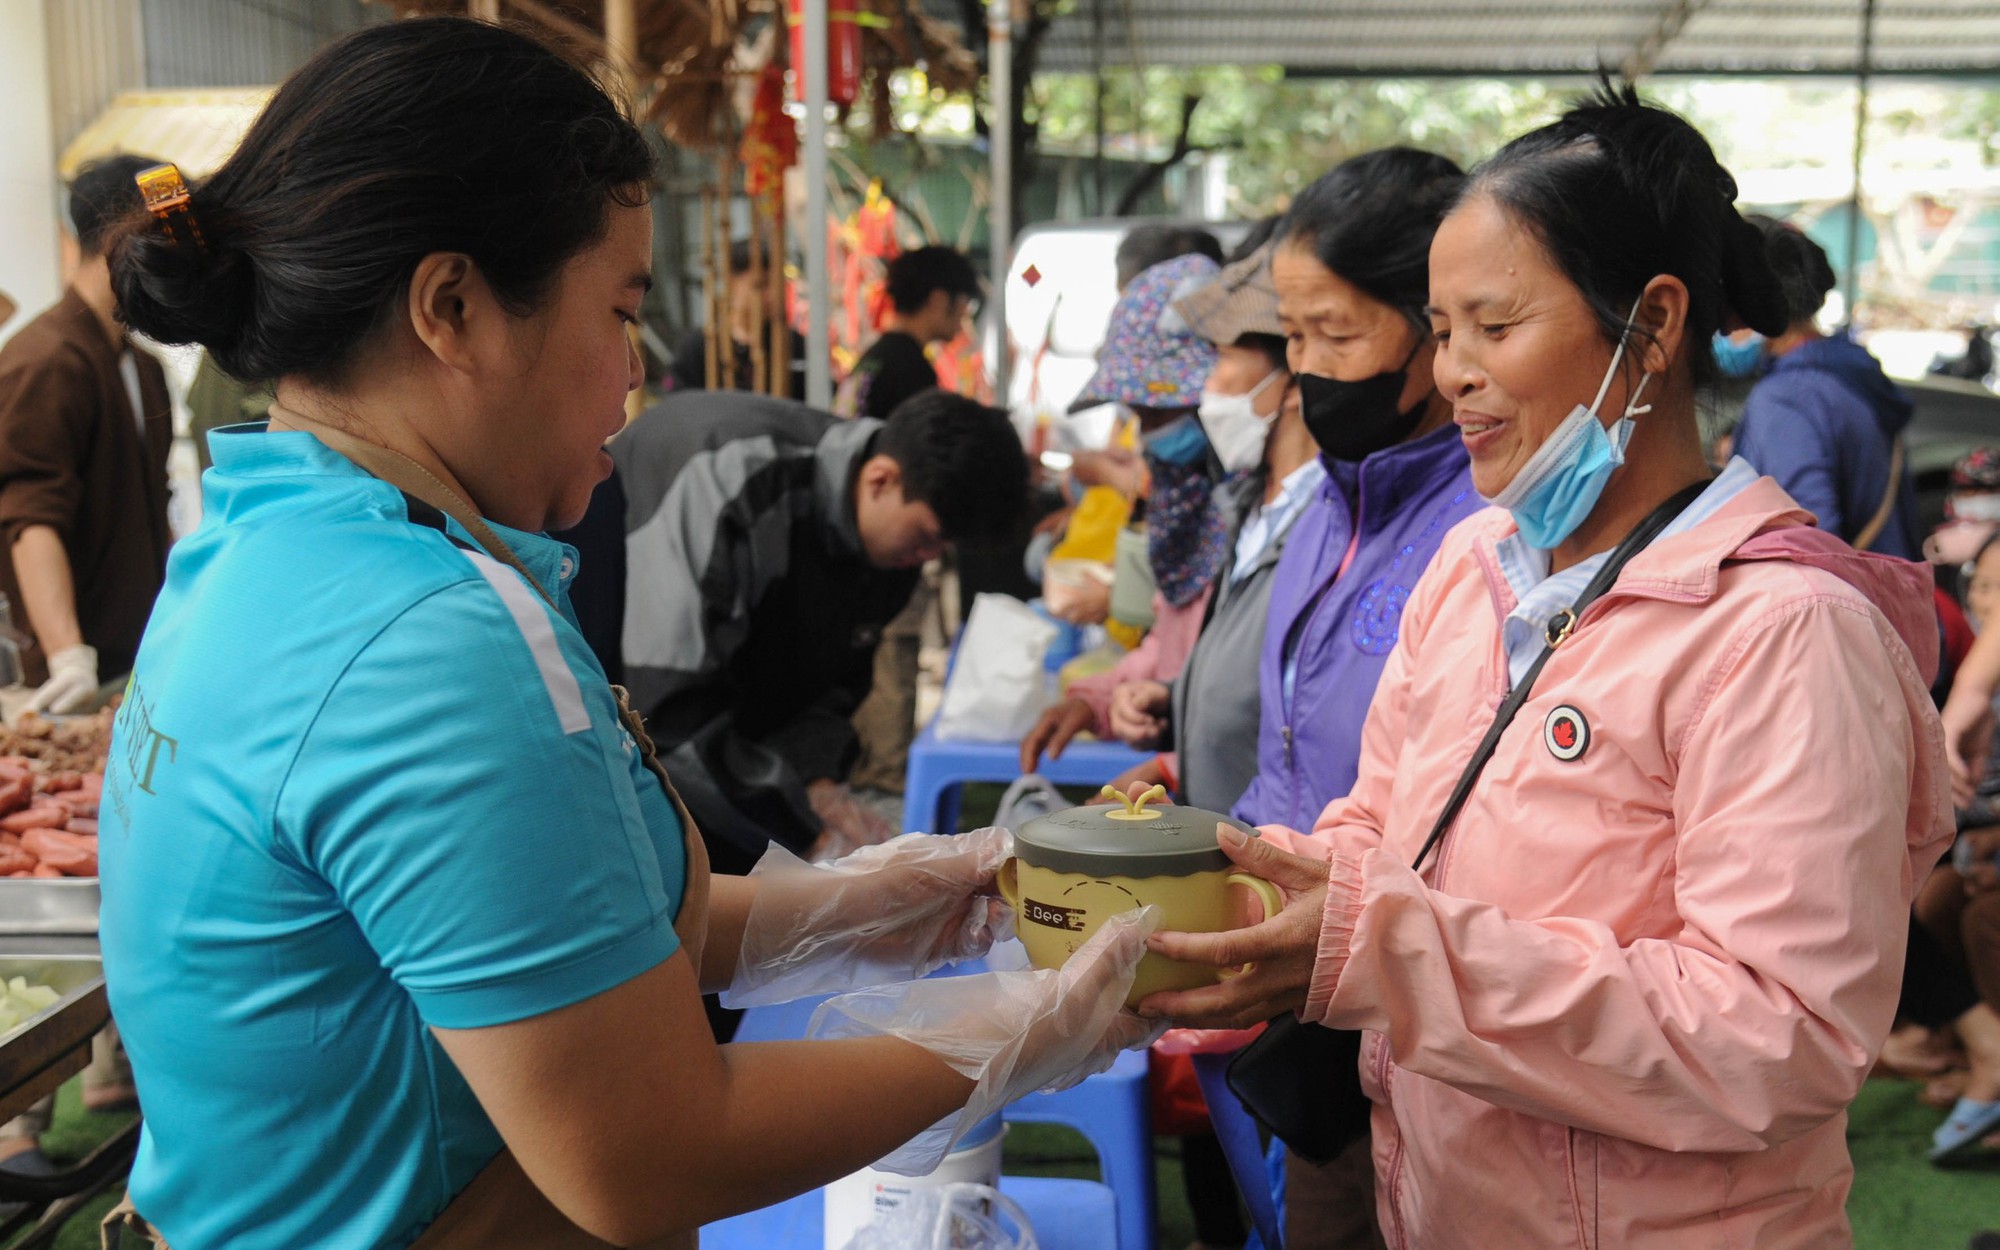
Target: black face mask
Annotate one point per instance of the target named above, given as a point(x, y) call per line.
point(1354, 420)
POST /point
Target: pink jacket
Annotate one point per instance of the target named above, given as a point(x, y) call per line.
point(1631, 996)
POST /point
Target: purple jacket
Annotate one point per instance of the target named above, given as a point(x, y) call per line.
point(1340, 628)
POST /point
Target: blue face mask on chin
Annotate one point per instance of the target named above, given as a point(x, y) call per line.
point(1559, 486)
point(1180, 441)
point(1739, 360)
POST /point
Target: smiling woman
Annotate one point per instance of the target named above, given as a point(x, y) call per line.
point(413, 893)
point(1655, 950)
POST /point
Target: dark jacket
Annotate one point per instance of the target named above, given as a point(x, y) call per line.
point(1823, 422)
point(74, 457)
point(751, 611)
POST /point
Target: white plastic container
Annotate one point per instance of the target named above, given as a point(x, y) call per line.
point(853, 1202)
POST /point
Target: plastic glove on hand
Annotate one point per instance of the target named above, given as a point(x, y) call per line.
point(1012, 1032)
point(72, 682)
point(883, 915)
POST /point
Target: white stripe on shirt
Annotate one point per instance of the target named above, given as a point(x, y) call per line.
point(1540, 596)
point(540, 636)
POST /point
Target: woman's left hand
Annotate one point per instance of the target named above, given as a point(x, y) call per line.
point(1281, 949)
point(882, 915)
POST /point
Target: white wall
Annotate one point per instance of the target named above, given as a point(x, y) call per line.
point(30, 197)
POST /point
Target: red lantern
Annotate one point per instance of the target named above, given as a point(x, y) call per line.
point(843, 50)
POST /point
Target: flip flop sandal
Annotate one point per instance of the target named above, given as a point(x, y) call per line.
point(1969, 1121)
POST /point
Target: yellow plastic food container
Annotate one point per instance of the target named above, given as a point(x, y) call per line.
point(1073, 869)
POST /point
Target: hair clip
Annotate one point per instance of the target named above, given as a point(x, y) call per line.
point(167, 199)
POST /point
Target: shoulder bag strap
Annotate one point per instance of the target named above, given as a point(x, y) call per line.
point(1561, 626)
point(1873, 530)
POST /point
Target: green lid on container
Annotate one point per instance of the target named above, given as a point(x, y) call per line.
point(1107, 840)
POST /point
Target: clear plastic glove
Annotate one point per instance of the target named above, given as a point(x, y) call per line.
point(881, 916)
point(1012, 1032)
point(72, 682)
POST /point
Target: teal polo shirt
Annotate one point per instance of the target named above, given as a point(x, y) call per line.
point(365, 782)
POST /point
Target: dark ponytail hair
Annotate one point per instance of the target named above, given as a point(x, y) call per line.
point(1370, 221)
point(1805, 276)
point(396, 142)
point(1620, 191)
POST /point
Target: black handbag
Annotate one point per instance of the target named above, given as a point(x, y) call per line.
point(1301, 1081)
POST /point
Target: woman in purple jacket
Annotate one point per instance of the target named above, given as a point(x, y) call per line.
point(1352, 274)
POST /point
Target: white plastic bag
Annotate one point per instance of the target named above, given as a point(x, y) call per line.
point(998, 686)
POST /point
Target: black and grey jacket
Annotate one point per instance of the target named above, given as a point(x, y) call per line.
point(751, 611)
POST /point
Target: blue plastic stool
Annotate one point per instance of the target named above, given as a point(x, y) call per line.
point(937, 769)
point(1242, 1146)
point(1111, 1112)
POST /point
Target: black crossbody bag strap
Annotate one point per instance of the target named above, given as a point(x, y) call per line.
point(1561, 625)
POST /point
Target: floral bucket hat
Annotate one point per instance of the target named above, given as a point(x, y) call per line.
point(1151, 357)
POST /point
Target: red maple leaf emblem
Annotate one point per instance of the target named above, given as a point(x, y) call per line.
point(1565, 733)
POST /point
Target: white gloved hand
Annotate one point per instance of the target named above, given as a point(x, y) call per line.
point(883, 915)
point(72, 682)
point(1012, 1032)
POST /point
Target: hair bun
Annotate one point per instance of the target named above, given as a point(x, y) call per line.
point(1749, 285)
point(180, 294)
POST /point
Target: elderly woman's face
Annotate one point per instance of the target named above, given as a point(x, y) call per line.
point(1518, 346)
point(1336, 330)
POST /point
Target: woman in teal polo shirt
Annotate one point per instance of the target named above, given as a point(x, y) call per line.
point(404, 935)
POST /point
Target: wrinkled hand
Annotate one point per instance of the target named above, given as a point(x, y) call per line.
point(1011, 1032)
point(1968, 736)
point(1281, 950)
point(1142, 776)
point(1139, 711)
point(72, 682)
point(1058, 725)
point(883, 915)
point(849, 824)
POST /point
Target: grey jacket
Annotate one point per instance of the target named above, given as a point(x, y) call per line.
point(751, 611)
point(1215, 698)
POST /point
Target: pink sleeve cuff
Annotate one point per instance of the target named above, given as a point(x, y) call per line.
point(1336, 935)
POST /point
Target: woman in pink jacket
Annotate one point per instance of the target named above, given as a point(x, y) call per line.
point(1628, 997)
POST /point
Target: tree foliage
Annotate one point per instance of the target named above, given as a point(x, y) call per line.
point(1285, 132)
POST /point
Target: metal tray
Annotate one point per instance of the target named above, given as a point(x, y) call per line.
point(48, 1047)
point(61, 905)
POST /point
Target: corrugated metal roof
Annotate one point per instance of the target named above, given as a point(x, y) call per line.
point(1444, 38)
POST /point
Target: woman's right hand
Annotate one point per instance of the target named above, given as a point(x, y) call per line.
point(1060, 723)
point(1139, 711)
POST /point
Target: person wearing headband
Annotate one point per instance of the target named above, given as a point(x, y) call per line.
point(1618, 902)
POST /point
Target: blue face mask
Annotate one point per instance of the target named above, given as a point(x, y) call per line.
point(1739, 360)
point(1179, 441)
point(1559, 486)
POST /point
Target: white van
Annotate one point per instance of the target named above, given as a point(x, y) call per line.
point(1060, 291)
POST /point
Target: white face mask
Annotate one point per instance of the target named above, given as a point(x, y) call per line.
point(1234, 429)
